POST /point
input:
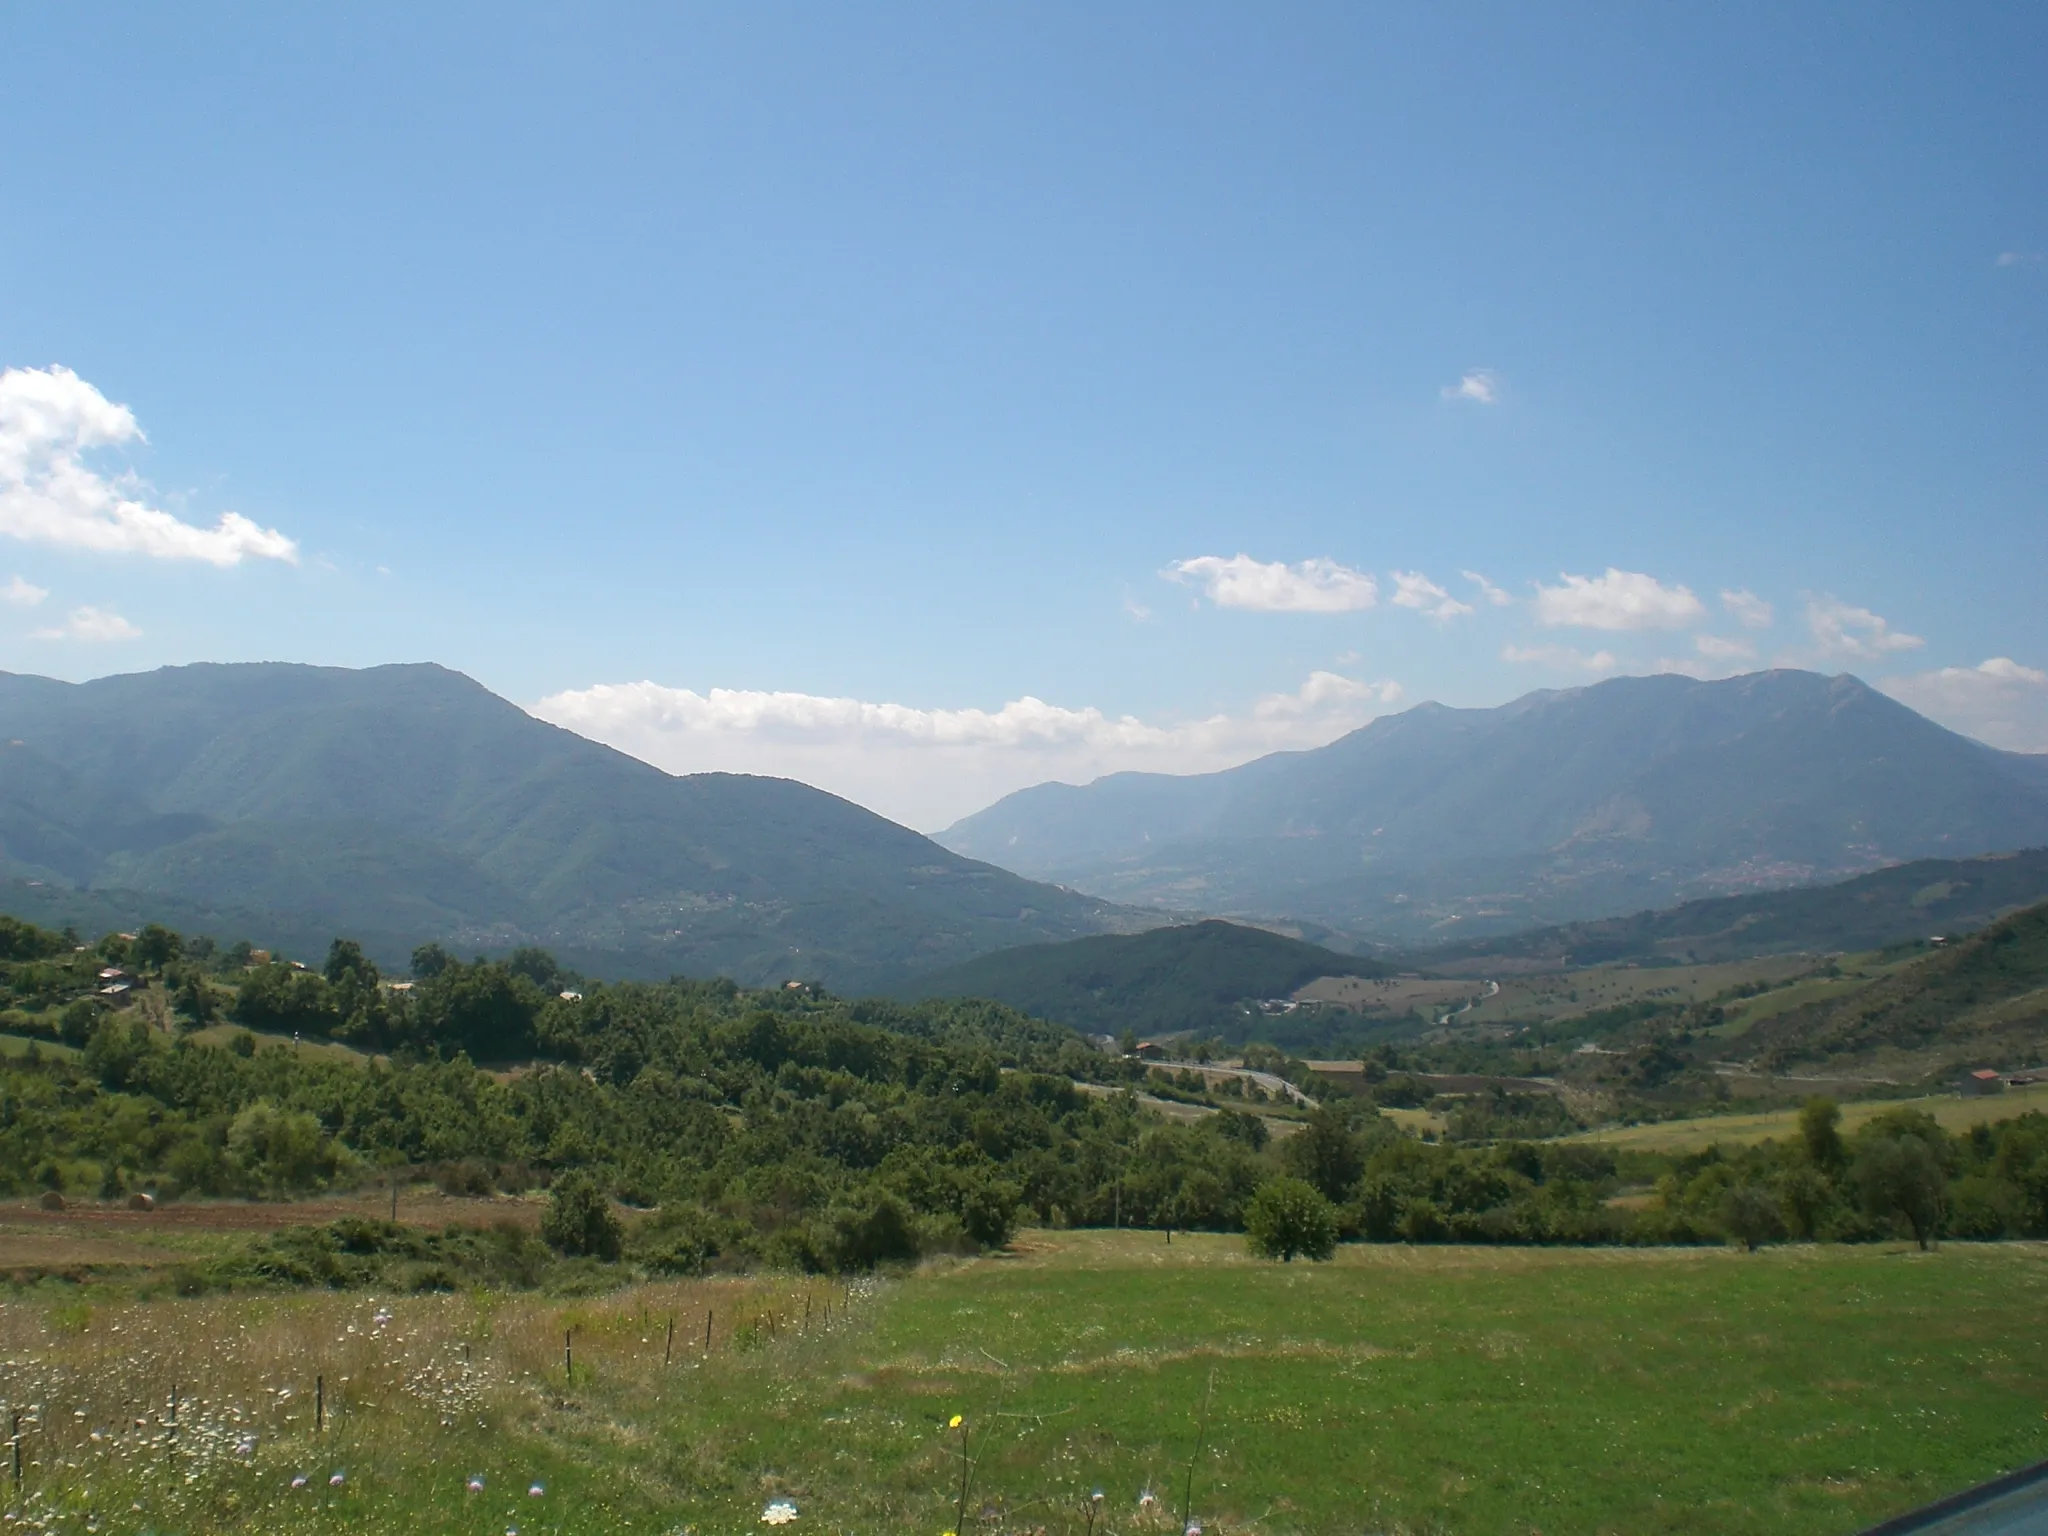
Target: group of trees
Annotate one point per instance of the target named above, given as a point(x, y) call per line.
point(795, 1128)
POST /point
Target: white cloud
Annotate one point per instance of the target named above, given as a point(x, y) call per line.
point(1481, 386)
point(1617, 600)
point(928, 767)
point(1560, 656)
point(1747, 609)
point(1847, 633)
point(1487, 590)
point(1998, 701)
point(90, 624)
point(50, 419)
point(1714, 648)
point(1312, 586)
point(1414, 590)
point(2018, 258)
point(23, 594)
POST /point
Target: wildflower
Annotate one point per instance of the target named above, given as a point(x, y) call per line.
point(778, 1512)
point(954, 1422)
point(535, 1491)
point(336, 1480)
point(1095, 1497)
point(1148, 1500)
point(476, 1484)
point(299, 1481)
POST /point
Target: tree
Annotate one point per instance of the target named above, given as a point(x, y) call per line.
point(1751, 1216)
point(579, 1219)
point(346, 962)
point(1290, 1216)
point(429, 961)
point(156, 947)
point(1901, 1176)
point(1326, 1154)
point(1820, 1123)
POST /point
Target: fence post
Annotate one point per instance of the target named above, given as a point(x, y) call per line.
point(707, 1330)
point(17, 1448)
point(319, 1404)
point(174, 1410)
point(669, 1348)
point(568, 1356)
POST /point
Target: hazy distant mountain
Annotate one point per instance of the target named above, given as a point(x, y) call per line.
point(402, 804)
point(1633, 793)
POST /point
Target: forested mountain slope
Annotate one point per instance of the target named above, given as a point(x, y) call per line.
point(408, 803)
point(1979, 1001)
point(1196, 976)
point(1636, 792)
point(1923, 899)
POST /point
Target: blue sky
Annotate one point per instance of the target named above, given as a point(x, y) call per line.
point(929, 401)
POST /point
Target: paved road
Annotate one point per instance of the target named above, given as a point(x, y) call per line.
point(2009, 1506)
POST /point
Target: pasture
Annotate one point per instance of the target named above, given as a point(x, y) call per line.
point(1952, 1112)
point(1394, 1390)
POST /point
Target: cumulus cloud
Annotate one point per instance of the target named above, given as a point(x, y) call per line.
point(1414, 590)
point(1494, 595)
point(928, 767)
point(1747, 609)
point(1714, 648)
point(22, 593)
point(1843, 632)
point(50, 420)
point(1311, 586)
point(1563, 657)
point(90, 624)
point(1998, 701)
point(1617, 600)
point(1481, 387)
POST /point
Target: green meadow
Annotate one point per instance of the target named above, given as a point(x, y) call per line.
point(1396, 1389)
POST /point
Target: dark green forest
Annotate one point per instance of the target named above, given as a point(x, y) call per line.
point(680, 1125)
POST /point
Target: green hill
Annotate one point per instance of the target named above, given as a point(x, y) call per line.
point(1917, 900)
point(1197, 976)
point(402, 804)
point(1981, 1001)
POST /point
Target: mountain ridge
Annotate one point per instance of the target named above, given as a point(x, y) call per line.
point(1562, 804)
point(408, 803)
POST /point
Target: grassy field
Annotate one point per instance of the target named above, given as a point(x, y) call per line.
point(1395, 1390)
point(1953, 1112)
point(1553, 994)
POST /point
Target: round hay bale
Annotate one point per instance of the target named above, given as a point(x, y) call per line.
point(52, 1201)
point(141, 1202)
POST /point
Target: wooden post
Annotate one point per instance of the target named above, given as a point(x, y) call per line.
point(707, 1330)
point(394, 1196)
point(17, 1447)
point(568, 1357)
point(174, 1410)
point(807, 1312)
point(319, 1404)
point(669, 1349)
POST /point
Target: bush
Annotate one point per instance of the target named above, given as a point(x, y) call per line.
point(579, 1219)
point(1290, 1216)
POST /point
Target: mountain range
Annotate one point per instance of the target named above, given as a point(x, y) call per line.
point(1440, 823)
point(401, 804)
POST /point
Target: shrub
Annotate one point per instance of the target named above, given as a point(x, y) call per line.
point(579, 1219)
point(1290, 1216)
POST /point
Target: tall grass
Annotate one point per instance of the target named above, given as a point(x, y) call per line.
point(359, 1411)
